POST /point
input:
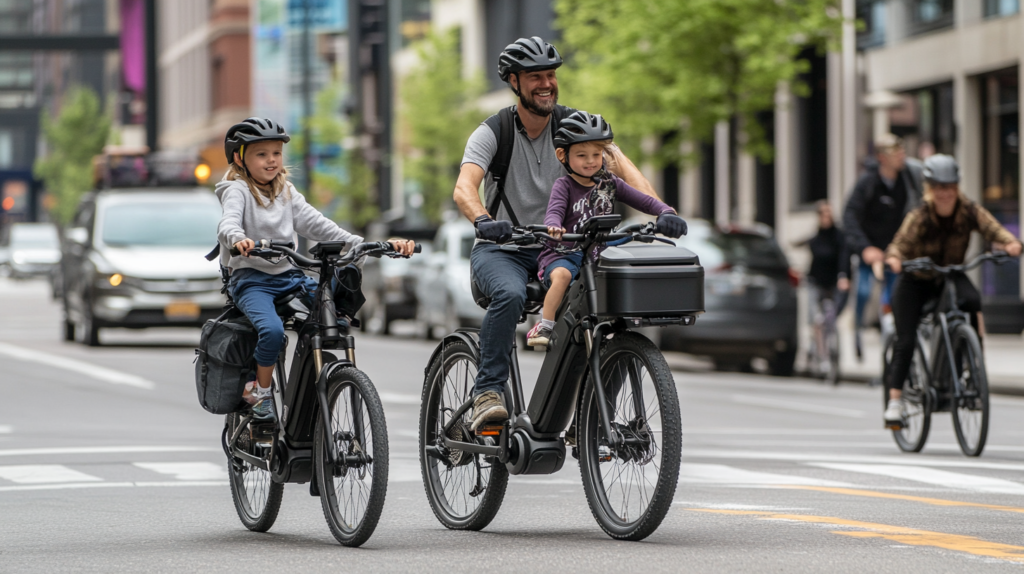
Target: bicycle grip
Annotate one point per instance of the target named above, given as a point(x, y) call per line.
point(418, 248)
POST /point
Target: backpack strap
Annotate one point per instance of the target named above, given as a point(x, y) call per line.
point(505, 132)
point(503, 124)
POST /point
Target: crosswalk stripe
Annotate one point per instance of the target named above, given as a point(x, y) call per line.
point(931, 476)
point(44, 473)
point(918, 460)
point(731, 476)
point(187, 470)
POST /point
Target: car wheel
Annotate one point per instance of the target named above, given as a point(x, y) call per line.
point(782, 364)
point(90, 331)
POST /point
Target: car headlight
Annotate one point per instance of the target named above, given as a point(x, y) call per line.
point(18, 258)
point(112, 281)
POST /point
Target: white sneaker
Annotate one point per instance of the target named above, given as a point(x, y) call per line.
point(893, 412)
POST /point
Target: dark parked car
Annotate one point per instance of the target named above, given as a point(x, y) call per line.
point(750, 299)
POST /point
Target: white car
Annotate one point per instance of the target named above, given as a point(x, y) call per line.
point(33, 250)
point(443, 288)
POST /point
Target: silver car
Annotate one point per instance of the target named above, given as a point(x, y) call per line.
point(33, 250)
point(443, 287)
point(134, 258)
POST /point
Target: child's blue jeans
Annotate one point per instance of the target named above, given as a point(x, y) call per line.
point(254, 292)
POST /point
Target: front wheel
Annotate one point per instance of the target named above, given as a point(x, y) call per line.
point(464, 490)
point(630, 486)
point(970, 410)
point(352, 491)
point(917, 402)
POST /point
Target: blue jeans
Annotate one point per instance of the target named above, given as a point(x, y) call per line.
point(572, 262)
point(502, 276)
point(254, 292)
point(865, 280)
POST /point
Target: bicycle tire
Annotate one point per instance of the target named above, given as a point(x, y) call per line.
point(622, 523)
point(454, 508)
point(917, 402)
point(352, 507)
point(967, 355)
point(256, 496)
point(832, 346)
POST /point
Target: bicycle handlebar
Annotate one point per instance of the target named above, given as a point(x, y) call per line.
point(926, 264)
point(267, 248)
point(533, 234)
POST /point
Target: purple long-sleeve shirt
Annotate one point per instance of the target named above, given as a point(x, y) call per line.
point(572, 204)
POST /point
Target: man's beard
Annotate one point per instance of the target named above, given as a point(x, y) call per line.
point(533, 107)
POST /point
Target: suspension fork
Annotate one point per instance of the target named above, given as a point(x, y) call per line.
point(592, 334)
point(321, 392)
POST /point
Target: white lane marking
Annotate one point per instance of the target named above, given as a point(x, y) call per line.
point(932, 476)
point(186, 470)
point(919, 460)
point(399, 398)
point(81, 485)
point(88, 369)
point(721, 474)
point(799, 407)
point(105, 450)
point(44, 473)
point(6, 429)
point(727, 506)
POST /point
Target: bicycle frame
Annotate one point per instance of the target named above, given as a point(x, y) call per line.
point(299, 403)
point(573, 353)
point(941, 355)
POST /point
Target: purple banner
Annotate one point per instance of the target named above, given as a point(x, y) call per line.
point(133, 45)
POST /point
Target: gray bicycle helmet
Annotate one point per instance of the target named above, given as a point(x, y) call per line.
point(527, 55)
point(941, 168)
point(252, 130)
point(579, 127)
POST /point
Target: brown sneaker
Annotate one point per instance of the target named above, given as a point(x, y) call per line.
point(487, 408)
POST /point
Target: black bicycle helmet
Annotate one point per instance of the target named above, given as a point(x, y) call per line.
point(252, 130)
point(527, 55)
point(941, 168)
point(579, 127)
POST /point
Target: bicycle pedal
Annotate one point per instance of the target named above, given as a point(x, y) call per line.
point(894, 426)
point(489, 430)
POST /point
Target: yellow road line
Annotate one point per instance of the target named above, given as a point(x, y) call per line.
point(900, 534)
point(922, 499)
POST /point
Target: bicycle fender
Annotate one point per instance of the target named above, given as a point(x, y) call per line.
point(467, 336)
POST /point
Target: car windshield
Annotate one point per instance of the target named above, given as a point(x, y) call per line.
point(161, 224)
point(732, 249)
point(34, 237)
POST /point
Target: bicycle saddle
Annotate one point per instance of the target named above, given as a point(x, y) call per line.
point(535, 292)
point(288, 304)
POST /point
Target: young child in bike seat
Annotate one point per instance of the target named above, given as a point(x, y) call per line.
point(589, 190)
point(259, 202)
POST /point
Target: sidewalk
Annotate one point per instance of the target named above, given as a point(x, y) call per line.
point(1004, 359)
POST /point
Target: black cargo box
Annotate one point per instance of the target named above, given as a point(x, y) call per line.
point(639, 280)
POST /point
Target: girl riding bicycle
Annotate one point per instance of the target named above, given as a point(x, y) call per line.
point(259, 202)
point(941, 230)
point(589, 190)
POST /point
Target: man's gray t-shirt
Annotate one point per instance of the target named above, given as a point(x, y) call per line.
point(532, 170)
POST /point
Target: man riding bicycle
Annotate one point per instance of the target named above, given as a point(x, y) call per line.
point(520, 195)
point(940, 230)
point(882, 197)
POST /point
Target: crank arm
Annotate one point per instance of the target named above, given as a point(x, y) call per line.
point(472, 447)
point(253, 460)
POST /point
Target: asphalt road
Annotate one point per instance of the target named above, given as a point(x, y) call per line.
point(108, 464)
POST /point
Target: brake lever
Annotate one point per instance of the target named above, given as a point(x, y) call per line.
point(663, 240)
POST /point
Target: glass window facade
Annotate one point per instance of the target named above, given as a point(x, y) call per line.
point(997, 8)
point(873, 16)
point(1001, 171)
point(928, 15)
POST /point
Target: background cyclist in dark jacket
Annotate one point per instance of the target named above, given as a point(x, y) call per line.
point(829, 275)
point(887, 191)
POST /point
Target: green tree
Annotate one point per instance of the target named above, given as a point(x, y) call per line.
point(649, 64)
point(438, 112)
point(343, 185)
point(72, 139)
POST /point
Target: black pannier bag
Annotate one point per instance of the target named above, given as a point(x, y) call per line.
point(649, 281)
point(348, 290)
point(225, 361)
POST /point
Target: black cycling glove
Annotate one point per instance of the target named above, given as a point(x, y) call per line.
point(496, 231)
point(671, 225)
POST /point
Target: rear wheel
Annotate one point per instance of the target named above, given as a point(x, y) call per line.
point(970, 411)
point(630, 487)
point(464, 490)
point(257, 498)
point(352, 492)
